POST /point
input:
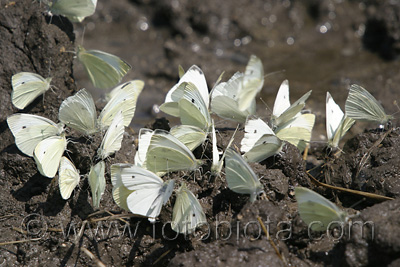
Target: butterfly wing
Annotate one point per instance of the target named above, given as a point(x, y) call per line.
point(104, 70)
point(297, 131)
point(149, 192)
point(224, 100)
point(120, 192)
point(79, 112)
point(68, 177)
point(97, 182)
point(29, 130)
point(240, 177)
point(265, 147)
point(190, 136)
point(315, 208)
point(123, 97)
point(166, 153)
point(143, 146)
point(192, 109)
point(76, 10)
point(281, 113)
point(253, 81)
point(48, 153)
point(26, 87)
point(361, 105)
point(112, 140)
point(337, 124)
point(187, 213)
point(254, 129)
point(194, 75)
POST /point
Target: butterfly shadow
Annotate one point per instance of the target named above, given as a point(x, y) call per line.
point(63, 23)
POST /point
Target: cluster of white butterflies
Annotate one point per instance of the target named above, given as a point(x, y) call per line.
point(138, 187)
point(46, 141)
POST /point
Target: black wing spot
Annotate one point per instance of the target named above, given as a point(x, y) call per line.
point(193, 100)
point(125, 85)
point(255, 131)
point(24, 127)
point(133, 176)
point(23, 83)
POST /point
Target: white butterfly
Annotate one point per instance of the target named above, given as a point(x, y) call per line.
point(225, 100)
point(189, 135)
point(75, 10)
point(283, 112)
point(253, 81)
point(48, 153)
point(187, 213)
point(120, 192)
point(104, 70)
point(143, 146)
point(297, 131)
point(112, 140)
point(79, 111)
point(29, 130)
point(68, 177)
point(240, 177)
point(316, 211)
point(337, 124)
point(192, 109)
point(217, 162)
point(97, 182)
point(195, 76)
point(148, 191)
point(259, 141)
point(166, 153)
point(27, 87)
point(361, 105)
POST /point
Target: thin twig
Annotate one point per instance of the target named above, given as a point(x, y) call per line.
point(271, 241)
point(98, 262)
point(351, 191)
point(19, 241)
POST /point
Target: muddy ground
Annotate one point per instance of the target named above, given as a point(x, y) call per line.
point(39, 228)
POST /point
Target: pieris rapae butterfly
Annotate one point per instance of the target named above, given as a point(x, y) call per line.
point(79, 113)
point(120, 192)
point(112, 140)
point(187, 213)
point(68, 177)
point(297, 131)
point(123, 97)
point(189, 135)
point(217, 162)
point(337, 124)
point(166, 153)
point(195, 76)
point(143, 145)
point(104, 70)
point(224, 100)
point(259, 141)
point(361, 105)
point(316, 211)
point(29, 130)
point(148, 191)
point(240, 177)
point(75, 10)
point(283, 112)
point(48, 153)
point(97, 182)
point(192, 108)
point(252, 83)
point(27, 87)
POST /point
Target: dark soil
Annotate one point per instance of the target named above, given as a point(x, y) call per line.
point(39, 228)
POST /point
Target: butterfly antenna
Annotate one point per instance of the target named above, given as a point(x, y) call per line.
point(83, 35)
point(274, 72)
